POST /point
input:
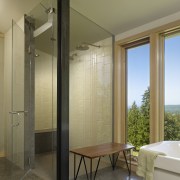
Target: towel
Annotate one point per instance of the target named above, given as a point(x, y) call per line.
point(146, 163)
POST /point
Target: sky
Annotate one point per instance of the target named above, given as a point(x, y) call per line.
point(172, 70)
point(138, 71)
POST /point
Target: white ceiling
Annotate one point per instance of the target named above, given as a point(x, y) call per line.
point(14, 9)
point(118, 16)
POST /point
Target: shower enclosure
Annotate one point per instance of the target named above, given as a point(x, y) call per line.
point(31, 125)
point(19, 115)
point(43, 42)
point(90, 91)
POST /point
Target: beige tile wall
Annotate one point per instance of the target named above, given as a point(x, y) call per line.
point(45, 91)
point(2, 123)
point(91, 96)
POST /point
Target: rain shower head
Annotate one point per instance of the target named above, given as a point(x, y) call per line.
point(82, 47)
point(85, 46)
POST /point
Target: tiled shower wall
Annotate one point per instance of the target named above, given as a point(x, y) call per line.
point(45, 92)
point(91, 95)
point(2, 122)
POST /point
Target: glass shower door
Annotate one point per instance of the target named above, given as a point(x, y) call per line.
point(18, 112)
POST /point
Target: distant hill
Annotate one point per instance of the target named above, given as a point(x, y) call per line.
point(172, 108)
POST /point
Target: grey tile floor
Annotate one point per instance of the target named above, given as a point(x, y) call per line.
point(43, 171)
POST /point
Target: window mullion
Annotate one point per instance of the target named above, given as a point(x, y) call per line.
point(154, 88)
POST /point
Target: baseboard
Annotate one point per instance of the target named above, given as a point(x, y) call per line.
point(2, 154)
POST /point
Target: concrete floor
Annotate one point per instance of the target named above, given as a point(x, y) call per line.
point(117, 174)
point(8, 171)
point(45, 166)
point(44, 171)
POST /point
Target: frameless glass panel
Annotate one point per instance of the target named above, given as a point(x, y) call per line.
point(45, 35)
point(17, 96)
point(17, 110)
point(172, 88)
point(54, 91)
point(90, 88)
point(138, 95)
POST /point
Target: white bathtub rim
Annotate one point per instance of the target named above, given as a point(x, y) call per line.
point(170, 162)
point(170, 148)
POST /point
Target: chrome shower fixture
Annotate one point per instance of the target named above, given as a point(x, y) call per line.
point(82, 47)
point(47, 25)
point(72, 56)
point(36, 54)
point(85, 46)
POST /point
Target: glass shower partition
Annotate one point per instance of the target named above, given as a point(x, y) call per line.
point(45, 85)
point(18, 113)
point(90, 88)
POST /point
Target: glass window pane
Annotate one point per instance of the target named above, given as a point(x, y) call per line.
point(172, 88)
point(138, 95)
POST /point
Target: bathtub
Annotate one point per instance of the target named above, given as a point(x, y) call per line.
point(166, 167)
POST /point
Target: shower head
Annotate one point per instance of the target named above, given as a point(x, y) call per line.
point(82, 47)
point(85, 46)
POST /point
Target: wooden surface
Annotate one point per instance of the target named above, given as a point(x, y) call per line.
point(101, 150)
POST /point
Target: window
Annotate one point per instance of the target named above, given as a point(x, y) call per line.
point(147, 87)
point(172, 87)
point(138, 94)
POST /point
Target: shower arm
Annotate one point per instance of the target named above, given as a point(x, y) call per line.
point(47, 25)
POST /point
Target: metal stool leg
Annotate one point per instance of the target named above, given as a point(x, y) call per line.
point(78, 167)
point(127, 163)
point(85, 168)
point(97, 168)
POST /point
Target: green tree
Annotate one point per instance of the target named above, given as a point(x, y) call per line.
point(134, 115)
point(138, 122)
point(145, 113)
point(171, 126)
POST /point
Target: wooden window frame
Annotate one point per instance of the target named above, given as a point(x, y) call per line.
point(156, 41)
point(127, 46)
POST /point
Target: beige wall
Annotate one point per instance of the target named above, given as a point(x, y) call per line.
point(45, 92)
point(2, 125)
point(7, 89)
point(17, 136)
point(91, 96)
